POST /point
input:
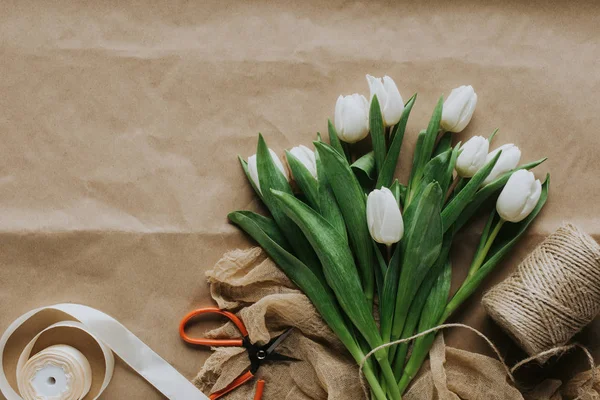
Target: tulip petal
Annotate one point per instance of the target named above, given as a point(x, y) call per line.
point(459, 108)
point(394, 104)
point(519, 196)
point(352, 120)
point(472, 157)
point(511, 155)
point(376, 88)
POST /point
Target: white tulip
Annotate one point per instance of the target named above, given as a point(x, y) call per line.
point(389, 98)
point(253, 170)
point(519, 197)
point(509, 159)
point(384, 217)
point(352, 118)
point(458, 109)
point(307, 157)
point(472, 156)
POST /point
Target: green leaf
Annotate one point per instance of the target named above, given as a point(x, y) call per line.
point(444, 145)
point(379, 272)
point(341, 274)
point(417, 304)
point(387, 301)
point(459, 202)
point(433, 309)
point(338, 264)
point(452, 164)
point(364, 170)
point(438, 297)
point(488, 190)
point(484, 235)
point(270, 177)
point(436, 171)
point(334, 139)
point(328, 205)
point(493, 135)
point(386, 174)
point(424, 149)
point(421, 246)
point(432, 131)
point(399, 191)
point(352, 202)
point(318, 293)
point(509, 236)
point(377, 133)
point(267, 225)
point(307, 183)
point(415, 171)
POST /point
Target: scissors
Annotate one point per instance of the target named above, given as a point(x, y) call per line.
point(257, 354)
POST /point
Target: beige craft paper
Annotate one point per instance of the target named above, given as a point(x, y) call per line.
point(120, 123)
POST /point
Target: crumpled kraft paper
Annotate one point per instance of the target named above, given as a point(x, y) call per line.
point(120, 124)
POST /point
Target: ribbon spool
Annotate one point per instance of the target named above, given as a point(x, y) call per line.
point(59, 371)
point(553, 294)
point(65, 352)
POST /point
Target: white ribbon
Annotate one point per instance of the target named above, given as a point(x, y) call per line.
point(63, 369)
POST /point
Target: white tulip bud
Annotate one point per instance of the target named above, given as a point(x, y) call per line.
point(352, 118)
point(458, 109)
point(519, 197)
point(384, 217)
point(472, 156)
point(509, 159)
point(307, 157)
point(253, 170)
point(389, 98)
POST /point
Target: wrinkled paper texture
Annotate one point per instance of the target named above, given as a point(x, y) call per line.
point(120, 125)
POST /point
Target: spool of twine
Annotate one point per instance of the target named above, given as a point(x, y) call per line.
point(553, 294)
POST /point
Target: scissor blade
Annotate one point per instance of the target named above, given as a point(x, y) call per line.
point(277, 341)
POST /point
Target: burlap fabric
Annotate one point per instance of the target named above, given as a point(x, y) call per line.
point(249, 283)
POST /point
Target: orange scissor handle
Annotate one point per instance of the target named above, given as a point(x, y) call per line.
point(260, 387)
point(240, 380)
point(213, 342)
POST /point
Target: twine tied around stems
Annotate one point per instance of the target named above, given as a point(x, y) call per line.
point(509, 370)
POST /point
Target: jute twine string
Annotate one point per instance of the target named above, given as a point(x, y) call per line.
point(509, 371)
point(553, 294)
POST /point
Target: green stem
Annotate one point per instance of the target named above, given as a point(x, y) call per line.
point(400, 317)
point(439, 137)
point(370, 375)
point(370, 292)
point(348, 152)
point(388, 374)
point(453, 186)
point(388, 134)
point(480, 258)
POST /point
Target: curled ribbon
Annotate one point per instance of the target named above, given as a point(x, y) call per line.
point(50, 368)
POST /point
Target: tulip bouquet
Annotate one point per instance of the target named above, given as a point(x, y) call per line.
point(359, 243)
